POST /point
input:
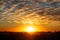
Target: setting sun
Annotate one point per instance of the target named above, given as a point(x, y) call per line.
point(30, 29)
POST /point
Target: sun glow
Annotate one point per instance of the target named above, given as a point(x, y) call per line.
point(30, 29)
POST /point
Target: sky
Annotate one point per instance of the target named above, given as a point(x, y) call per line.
point(15, 13)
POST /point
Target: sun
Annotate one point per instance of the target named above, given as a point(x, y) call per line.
point(30, 29)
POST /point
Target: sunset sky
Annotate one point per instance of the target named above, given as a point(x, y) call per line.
point(15, 15)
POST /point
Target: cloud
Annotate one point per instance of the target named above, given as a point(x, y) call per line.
point(16, 14)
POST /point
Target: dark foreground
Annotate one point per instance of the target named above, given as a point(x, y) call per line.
point(27, 36)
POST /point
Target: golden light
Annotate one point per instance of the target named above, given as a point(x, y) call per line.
point(30, 29)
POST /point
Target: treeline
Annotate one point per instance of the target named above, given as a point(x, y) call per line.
point(25, 36)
